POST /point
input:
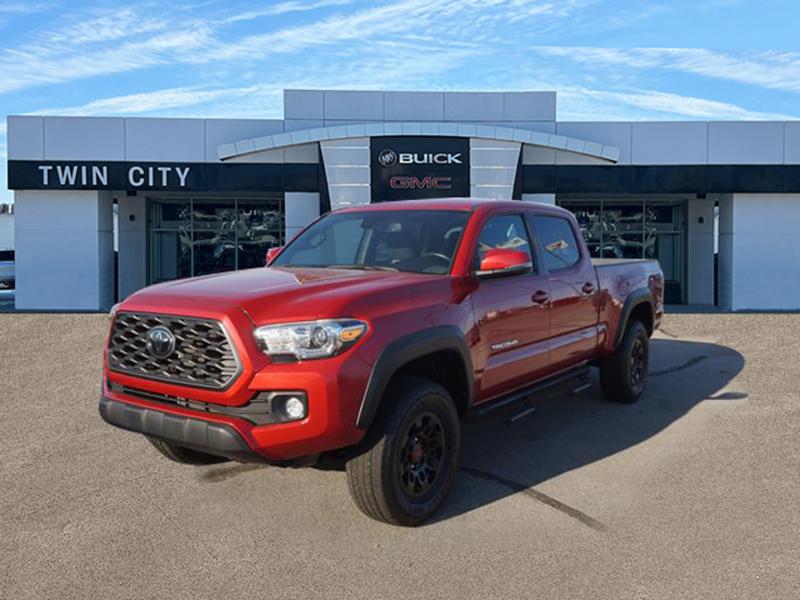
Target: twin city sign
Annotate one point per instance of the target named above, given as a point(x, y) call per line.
point(153, 176)
point(96, 176)
point(99, 175)
point(419, 167)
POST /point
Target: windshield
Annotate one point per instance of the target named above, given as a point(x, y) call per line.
point(418, 241)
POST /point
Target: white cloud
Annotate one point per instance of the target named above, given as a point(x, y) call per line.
point(285, 7)
point(38, 64)
point(100, 46)
point(108, 26)
point(21, 8)
point(769, 69)
point(149, 101)
point(583, 103)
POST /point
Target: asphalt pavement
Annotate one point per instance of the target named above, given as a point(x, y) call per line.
point(690, 493)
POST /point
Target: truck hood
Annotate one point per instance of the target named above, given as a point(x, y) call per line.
point(269, 295)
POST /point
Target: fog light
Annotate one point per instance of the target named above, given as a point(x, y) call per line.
point(294, 408)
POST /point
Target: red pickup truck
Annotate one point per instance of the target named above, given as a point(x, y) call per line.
point(371, 335)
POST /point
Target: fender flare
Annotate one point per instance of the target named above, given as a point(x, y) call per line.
point(634, 299)
point(402, 351)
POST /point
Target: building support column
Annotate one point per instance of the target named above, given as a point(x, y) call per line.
point(64, 250)
point(300, 208)
point(700, 249)
point(347, 171)
point(759, 251)
point(132, 256)
point(725, 250)
point(542, 198)
point(493, 168)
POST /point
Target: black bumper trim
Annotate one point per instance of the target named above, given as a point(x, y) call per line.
point(204, 436)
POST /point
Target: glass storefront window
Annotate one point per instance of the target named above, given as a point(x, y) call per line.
point(214, 252)
point(170, 214)
point(214, 215)
point(170, 255)
point(637, 229)
point(199, 236)
point(259, 216)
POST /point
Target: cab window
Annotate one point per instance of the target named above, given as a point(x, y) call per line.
point(558, 242)
point(504, 232)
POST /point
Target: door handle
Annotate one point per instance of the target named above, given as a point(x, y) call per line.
point(588, 287)
point(540, 296)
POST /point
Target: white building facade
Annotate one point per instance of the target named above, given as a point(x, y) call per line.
point(717, 203)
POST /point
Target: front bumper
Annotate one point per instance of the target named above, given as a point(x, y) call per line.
point(334, 388)
point(333, 392)
point(212, 438)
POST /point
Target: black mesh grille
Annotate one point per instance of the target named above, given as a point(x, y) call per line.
point(203, 355)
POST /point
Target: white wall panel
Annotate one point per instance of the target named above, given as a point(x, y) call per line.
point(84, 138)
point(25, 138)
point(765, 251)
point(608, 133)
point(792, 143)
point(64, 250)
point(670, 143)
point(537, 155)
point(473, 106)
point(300, 124)
point(303, 104)
point(351, 105)
point(6, 231)
point(165, 140)
point(302, 153)
point(414, 106)
point(226, 131)
point(758, 142)
point(529, 106)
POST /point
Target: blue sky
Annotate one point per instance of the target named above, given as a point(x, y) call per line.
point(608, 59)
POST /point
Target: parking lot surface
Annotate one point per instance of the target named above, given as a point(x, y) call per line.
point(691, 493)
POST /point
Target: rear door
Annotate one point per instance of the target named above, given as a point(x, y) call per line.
point(512, 313)
point(574, 294)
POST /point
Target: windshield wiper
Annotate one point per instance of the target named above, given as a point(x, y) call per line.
point(361, 267)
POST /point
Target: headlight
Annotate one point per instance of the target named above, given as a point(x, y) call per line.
point(113, 312)
point(312, 339)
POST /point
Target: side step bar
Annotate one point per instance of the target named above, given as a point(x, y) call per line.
point(581, 374)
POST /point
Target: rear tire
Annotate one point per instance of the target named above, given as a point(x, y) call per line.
point(182, 455)
point(623, 376)
point(407, 470)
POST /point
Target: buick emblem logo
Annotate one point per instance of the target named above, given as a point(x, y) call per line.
point(387, 158)
point(160, 342)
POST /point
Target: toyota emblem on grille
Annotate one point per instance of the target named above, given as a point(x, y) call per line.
point(160, 342)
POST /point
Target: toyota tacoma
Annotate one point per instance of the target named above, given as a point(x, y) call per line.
point(372, 335)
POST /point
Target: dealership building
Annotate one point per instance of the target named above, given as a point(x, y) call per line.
point(106, 206)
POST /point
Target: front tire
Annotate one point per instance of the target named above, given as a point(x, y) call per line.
point(182, 455)
point(407, 471)
point(623, 376)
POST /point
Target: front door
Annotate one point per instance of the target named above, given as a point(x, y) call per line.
point(512, 313)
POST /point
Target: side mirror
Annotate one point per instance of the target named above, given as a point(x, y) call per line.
point(500, 262)
point(271, 254)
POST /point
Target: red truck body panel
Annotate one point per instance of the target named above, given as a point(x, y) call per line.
point(518, 330)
